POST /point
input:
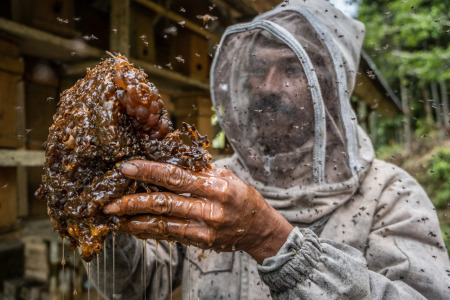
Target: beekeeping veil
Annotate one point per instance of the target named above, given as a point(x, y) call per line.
point(281, 86)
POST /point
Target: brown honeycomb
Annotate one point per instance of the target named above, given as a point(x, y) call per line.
point(112, 115)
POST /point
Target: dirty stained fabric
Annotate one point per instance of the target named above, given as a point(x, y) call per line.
point(364, 229)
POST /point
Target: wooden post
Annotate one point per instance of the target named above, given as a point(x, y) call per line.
point(120, 27)
point(178, 18)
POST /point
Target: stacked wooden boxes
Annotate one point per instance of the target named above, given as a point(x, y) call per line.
point(11, 129)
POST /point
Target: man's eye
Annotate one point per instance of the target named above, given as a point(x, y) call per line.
point(258, 70)
point(293, 70)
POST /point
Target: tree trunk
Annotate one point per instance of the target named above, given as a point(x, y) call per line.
point(426, 105)
point(437, 108)
point(444, 100)
point(436, 104)
point(406, 117)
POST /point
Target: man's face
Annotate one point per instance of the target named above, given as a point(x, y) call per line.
point(280, 105)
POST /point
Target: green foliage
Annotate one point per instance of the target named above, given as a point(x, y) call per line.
point(386, 132)
point(425, 128)
point(438, 170)
point(388, 152)
point(408, 38)
point(436, 182)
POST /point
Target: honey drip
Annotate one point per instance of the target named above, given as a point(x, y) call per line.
point(63, 263)
point(156, 268)
point(142, 269)
point(114, 263)
point(104, 271)
point(145, 269)
point(98, 278)
point(89, 280)
point(170, 268)
point(74, 275)
point(189, 270)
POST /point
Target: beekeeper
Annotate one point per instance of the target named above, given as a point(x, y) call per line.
point(302, 210)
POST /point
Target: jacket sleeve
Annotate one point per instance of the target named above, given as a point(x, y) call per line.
point(405, 256)
point(129, 282)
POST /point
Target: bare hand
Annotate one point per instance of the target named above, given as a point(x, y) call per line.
point(210, 209)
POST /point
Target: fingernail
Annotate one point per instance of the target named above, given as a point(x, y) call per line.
point(111, 209)
point(129, 169)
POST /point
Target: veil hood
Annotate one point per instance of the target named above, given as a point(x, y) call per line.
point(281, 85)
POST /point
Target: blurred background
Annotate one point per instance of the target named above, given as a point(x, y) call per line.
point(401, 99)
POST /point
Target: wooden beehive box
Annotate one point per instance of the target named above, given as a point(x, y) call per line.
point(142, 34)
point(55, 16)
point(11, 70)
point(193, 48)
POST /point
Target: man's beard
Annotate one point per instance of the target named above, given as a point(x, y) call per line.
point(278, 126)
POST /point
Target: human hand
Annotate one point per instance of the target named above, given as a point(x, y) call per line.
point(209, 209)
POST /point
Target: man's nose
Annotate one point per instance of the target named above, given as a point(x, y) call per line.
point(271, 80)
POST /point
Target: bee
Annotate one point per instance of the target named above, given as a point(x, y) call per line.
point(179, 59)
point(90, 37)
point(61, 20)
point(206, 18)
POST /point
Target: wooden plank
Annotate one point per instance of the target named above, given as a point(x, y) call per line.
point(11, 64)
point(172, 78)
point(367, 91)
point(39, 43)
point(177, 18)
point(120, 26)
point(371, 87)
point(26, 158)
point(9, 45)
point(9, 110)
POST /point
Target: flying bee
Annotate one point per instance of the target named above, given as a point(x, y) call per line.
point(206, 18)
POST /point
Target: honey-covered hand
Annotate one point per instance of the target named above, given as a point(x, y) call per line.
point(209, 209)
